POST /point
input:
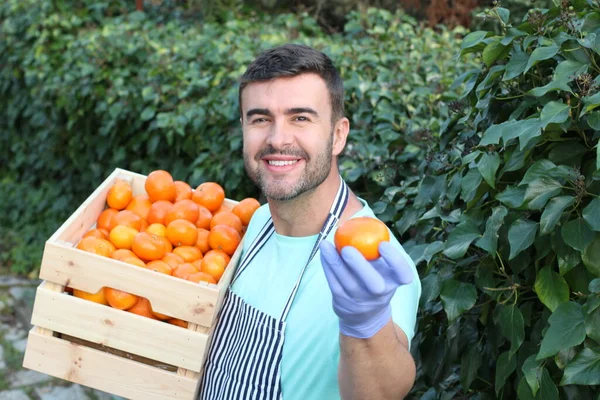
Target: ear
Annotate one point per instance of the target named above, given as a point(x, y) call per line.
point(340, 134)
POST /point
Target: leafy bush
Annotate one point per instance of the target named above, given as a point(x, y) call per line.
point(505, 219)
point(85, 89)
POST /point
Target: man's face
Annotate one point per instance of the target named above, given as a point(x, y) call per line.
point(288, 135)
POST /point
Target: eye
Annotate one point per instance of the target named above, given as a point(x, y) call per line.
point(301, 118)
point(258, 120)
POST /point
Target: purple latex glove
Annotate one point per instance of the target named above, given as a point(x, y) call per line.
point(361, 289)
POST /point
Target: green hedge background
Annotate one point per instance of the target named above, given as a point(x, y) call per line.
point(477, 145)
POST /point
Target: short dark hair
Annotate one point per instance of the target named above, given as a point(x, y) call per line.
point(294, 59)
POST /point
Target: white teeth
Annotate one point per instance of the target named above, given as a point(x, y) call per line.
point(281, 163)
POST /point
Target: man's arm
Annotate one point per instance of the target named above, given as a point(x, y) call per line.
point(374, 359)
point(380, 367)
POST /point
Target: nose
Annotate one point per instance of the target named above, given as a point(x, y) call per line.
point(280, 136)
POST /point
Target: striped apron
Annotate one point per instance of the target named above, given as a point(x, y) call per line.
point(244, 359)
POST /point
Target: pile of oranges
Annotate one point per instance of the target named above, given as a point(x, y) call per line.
point(172, 229)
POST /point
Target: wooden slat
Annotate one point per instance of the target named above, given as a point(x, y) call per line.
point(119, 329)
point(103, 371)
point(172, 296)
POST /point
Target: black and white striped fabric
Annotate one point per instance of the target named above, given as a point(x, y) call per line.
point(244, 359)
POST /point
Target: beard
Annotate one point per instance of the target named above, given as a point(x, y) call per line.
point(315, 172)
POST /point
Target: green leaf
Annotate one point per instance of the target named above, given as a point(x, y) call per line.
point(147, 114)
point(540, 54)
point(584, 369)
point(469, 184)
point(473, 42)
point(592, 325)
point(591, 256)
point(532, 370)
point(566, 70)
point(491, 52)
point(566, 330)
point(470, 363)
point(457, 297)
point(548, 390)
point(512, 196)
point(524, 391)
point(591, 102)
point(493, 134)
point(553, 212)
point(537, 170)
point(550, 87)
point(512, 327)
point(593, 120)
point(554, 112)
point(489, 241)
point(520, 236)
point(460, 239)
point(551, 288)
point(516, 65)
point(488, 166)
point(595, 285)
point(591, 214)
point(528, 130)
point(504, 14)
point(540, 191)
point(576, 234)
point(505, 366)
point(598, 156)
point(431, 287)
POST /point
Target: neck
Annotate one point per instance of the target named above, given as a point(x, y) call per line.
point(306, 214)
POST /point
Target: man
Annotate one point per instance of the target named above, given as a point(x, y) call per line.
point(301, 321)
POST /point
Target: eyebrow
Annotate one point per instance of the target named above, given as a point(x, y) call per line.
point(295, 110)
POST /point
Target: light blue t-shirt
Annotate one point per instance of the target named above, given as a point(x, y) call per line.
point(311, 350)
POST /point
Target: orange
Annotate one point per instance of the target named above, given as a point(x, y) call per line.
point(120, 299)
point(218, 256)
point(363, 233)
point(222, 209)
point(182, 232)
point(202, 240)
point(201, 276)
point(97, 297)
point(213, 266)
point(160, 266)
point(134, 261)
point(223, 237)
point(160, 186)
point(140, 205)
point(122, 236)
point(210, 195)
point(168, 245)
point(173, 259)
point(157, 229)
point(158, 212)
point(127, 218)
point(144, 226)
point(204, 218)
point(184, 270)
point(245, 209)
point(143, 308)
point(178, 322)
point(184, 209)
point(105, 218)
point(97, 232)
point(182, 190)
point(122, 254)
point(148, 247)
point(119, 195)
point(188, 253)
point(227, 218)
point(102, 247)
point(197, 264)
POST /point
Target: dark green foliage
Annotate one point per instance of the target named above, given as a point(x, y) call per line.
point(504, 222)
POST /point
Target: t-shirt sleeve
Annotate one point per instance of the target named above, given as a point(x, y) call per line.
point(405, 301)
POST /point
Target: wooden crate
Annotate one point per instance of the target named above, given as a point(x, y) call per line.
point(109, 349)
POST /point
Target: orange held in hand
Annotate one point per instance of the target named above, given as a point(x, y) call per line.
point(363, 233)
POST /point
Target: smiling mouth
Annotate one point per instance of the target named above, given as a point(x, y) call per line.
point(281, 163)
